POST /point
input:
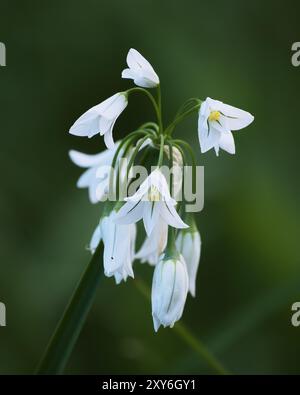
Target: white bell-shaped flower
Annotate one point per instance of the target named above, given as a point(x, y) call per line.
point(140, 70)
point(101, 119)
point(153, 203)
point(96, 177)
point(215, 123)
point(119, 246)
point(169, 291)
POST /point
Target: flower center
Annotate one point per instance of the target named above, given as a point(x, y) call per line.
point(153, 194)
point(214, 116)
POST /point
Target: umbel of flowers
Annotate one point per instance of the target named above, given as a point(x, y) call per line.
point(172, 242)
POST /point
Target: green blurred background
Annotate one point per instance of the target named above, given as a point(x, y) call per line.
point(64, 57)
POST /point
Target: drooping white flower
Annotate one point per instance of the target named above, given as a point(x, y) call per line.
point(154, 244)
point(101, 119)
point(188, 243)
point(140, 70)
point(152, 202)
point(215, 123)
point(169, 291)
point(96, 177)
point(119, 246)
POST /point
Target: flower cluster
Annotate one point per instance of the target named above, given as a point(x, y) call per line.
point(172, 242)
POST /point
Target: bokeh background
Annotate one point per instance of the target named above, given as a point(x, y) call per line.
point(64, 57)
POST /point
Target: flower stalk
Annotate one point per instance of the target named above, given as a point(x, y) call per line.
point(69, 327)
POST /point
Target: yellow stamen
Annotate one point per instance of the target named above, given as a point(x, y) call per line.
point(154, 195)
point(214, 116)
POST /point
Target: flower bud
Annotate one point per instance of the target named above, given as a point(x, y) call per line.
point(169, 290)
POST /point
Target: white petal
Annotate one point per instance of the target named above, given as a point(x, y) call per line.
point(155, 244)
point(141, 70)
point(217, 149)
point(170, 215)
point(167, 283)
point(169, 291)
point(118, 277)
point(179, 294)
point(226, 142)
point(204, 110)
point(159, 181)
point(150, 216)
point(95, 240)
point(146, 82)
point(105, 124)
point(130, 213)
point(84, 160)
point(236, 118)
point(133, 238)
point(119, 243)
point(98, 189)
point(189, 245)
point(156, 322)
point(114, 108)
point(115, 242)
point(92, 192)
point(108, 140)
point(136, 61)
point(142, 192)
point(193, 265)
point(108, 106)
point(129, 74)
point(148, 250)
point(86, 125)
point(86, 179)
point(208, 135)
point(221, 125)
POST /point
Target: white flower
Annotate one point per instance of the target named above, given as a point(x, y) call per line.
point(215, 123)
point(188, 243)
point(169, 291)
point(152, 202)
point(154, 244)
point(101, 119)
point(95, 164)
point(119, 244)
point(140, 70)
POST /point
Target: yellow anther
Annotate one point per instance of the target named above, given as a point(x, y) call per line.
point(214, 116)
point(154, 195)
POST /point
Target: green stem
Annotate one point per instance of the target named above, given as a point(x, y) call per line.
point(68, 329)
point(135, 152)
point(185, 106)
point(182, 331)
point(181, 117)
point(161, 128)
point(152, 125)
point(161, 150)
point(127, 148)
point(149, 95)
point(200, 348)
point(114, 173)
